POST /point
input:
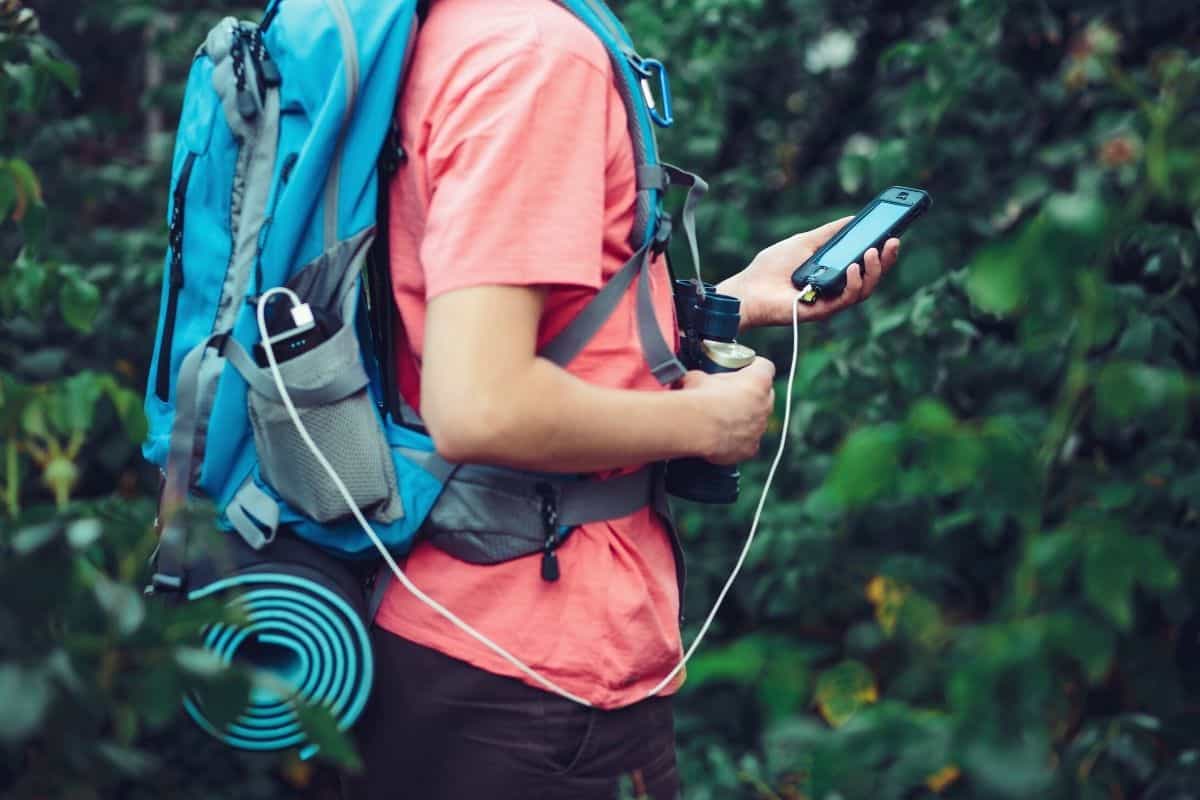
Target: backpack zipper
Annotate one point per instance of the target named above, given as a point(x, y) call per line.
point(175, 238)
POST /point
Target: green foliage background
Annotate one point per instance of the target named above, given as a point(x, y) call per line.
point(976, 577)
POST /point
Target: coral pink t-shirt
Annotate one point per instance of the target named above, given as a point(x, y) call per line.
point(521, 172)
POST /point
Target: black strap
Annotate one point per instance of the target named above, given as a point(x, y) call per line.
point(381, 302)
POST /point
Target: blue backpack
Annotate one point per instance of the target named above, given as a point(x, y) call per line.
point(286, 136)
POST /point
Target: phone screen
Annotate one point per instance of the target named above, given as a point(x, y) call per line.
point(863, 234)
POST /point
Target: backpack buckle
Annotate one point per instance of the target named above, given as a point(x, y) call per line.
point(652, 69)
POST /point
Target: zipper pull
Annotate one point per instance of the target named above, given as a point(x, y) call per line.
point(266, 64)
point(549, 564)
point(550, 570)
point(237, 51)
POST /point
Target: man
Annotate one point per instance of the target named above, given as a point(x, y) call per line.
point(514, 207)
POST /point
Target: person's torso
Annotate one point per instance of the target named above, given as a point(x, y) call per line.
point(607, 629)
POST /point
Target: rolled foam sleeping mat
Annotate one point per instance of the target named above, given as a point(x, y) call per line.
point(304, 623)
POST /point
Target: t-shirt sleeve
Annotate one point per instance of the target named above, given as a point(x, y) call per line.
point(516, 168)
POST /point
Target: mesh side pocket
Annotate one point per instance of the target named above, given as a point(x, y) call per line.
point(347, 433)
point(346, 429)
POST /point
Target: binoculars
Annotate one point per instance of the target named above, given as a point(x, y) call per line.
point(708, 324)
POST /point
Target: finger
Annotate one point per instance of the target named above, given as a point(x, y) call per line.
point(825, 232)
point(763, 366)
point(821, 234)
point(891, 253)
point(874, 271)
point(854, 285)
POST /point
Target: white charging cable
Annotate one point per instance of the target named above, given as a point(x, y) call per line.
point(783, 438)
point(300, 310)
point(358, 515)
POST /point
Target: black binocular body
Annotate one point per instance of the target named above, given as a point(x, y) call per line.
point(708, 324)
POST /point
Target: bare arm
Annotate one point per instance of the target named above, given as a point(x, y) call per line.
point(488, 398)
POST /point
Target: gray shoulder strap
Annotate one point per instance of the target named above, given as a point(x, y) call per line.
point(660, 357)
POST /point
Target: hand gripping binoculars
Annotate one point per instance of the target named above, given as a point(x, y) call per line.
point(708, 324)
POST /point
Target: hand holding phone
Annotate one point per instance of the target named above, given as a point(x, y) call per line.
point(823, 275)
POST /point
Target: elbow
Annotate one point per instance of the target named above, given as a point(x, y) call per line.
point(468, 433)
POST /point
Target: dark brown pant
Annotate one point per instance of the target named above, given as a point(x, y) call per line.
point(439, 729)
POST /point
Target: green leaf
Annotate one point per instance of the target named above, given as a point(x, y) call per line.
point(931, 416)
point(122, 603)
point(31, 539)
point(8, 195)
point(26, 181)
point(1081, 639)
point(843, 690)
point(80, 302)
point(75, 406)
point(128, 760)
point(24, 695)
point(1150, 396)
point(866, 464)
point(129, 408)
point(200, 662)
point(995, 280)
point(63, 71)
point(1114, 562)
point(83, 533)
point(321, 728)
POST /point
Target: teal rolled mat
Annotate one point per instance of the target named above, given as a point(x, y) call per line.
point(305, 625)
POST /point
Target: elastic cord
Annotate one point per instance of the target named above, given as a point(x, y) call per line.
point(783, 437)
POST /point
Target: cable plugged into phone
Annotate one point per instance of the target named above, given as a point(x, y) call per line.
point(808, 294)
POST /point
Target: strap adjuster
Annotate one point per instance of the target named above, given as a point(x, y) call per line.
point(162, 582)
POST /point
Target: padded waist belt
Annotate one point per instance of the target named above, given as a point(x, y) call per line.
point(304, 622)
point(489, 514)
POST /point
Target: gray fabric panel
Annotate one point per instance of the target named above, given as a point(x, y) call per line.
point(429, 461)
point(212, 365)
point(180, 455)
point(247, 528)
point(383, 579)
point(485, 523)
point(169, 559)
point(323, 375)
point(328, 387)
point(594, 500)
point(660, 356)
point(490, 514)
point(410, 417)
point(250, 509)
point(571, 339)
point(351, 67)
point(652, 176)
point(256, 167)
point(325, 281)
point(218, 47)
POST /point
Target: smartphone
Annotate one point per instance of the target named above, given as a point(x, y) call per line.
point(887, 216)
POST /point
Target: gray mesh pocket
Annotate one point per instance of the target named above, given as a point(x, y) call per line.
point(347, 431)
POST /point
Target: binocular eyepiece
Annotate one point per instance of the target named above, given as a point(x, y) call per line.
point(708, 326)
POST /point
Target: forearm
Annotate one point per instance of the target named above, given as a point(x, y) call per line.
point(546, 419)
